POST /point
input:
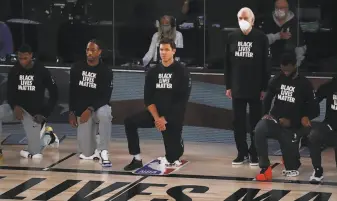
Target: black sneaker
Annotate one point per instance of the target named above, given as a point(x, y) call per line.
point(135, 164)
point(253, 160)
point(240, 160)
point(317, 175)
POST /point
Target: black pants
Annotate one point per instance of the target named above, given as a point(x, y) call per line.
point(174, 145)
point(269, 129)
point(319, 134)
point(240, 130)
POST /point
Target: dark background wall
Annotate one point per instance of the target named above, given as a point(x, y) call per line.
point(58, 30)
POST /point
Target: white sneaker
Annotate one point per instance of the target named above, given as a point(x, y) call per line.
point(175, 164)
point(104, 159)
point(95, 156)
point(163, 160)
point(26, 154)
point(290, 173)
point(317, 176)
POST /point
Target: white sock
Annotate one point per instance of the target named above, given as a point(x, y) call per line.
point(137, 157)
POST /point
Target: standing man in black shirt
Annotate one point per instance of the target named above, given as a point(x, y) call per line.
point(294, 107)
point(27, 83)
point(246, 79)
point(325, 132)
point(91, 84)
point(166, 93)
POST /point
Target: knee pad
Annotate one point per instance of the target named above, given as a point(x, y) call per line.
point(104, 113)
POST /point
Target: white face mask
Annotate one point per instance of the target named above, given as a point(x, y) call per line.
point(166, 28)
point(280, 13)
point(244, 25)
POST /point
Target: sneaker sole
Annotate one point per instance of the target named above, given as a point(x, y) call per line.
point(106, 165)
point(89, 159)
point(132, 169)
point(234, 163)
point(240, 163)
point(292, 175)
point(253, 164)
point(315, 179)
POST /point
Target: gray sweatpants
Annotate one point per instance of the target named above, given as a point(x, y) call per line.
point(34, 131)
point(86, 132)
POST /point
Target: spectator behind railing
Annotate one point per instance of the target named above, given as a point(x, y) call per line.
point(284, 33)
point(166, 29)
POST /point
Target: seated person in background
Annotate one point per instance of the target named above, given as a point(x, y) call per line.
point(321, 133)
point(294, 106)
point(166, 29)
point(192, 9)
point(284, 33)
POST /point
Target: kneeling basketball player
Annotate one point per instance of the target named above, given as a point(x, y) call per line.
point(166, 93)
point(323, 133)
point(91, 84)
point(294, 107)
point(27, 83)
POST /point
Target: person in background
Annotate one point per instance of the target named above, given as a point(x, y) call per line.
point(246, 79)
point(284, 33)
point(294, 108)
point(166, 29)
point(192, 9)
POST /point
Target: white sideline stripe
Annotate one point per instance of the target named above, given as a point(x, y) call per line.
point(141, 71)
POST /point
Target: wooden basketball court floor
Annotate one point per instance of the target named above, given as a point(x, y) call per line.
point(60, 175)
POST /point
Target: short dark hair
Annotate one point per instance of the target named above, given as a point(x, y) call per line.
point(25, 48)
point(288, 57)
point(97, 42)
point(168, 41)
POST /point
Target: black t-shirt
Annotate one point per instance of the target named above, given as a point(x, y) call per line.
point(247, 64)
point(26, 88)
point(169, 89)
point(294, 99)
point(90, 86)
point(329, 91)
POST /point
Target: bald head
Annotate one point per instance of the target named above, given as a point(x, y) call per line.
point(246, 14)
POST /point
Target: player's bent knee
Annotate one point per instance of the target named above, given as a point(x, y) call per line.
point(104, 113)
point(314, 136)
point(261, 128)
